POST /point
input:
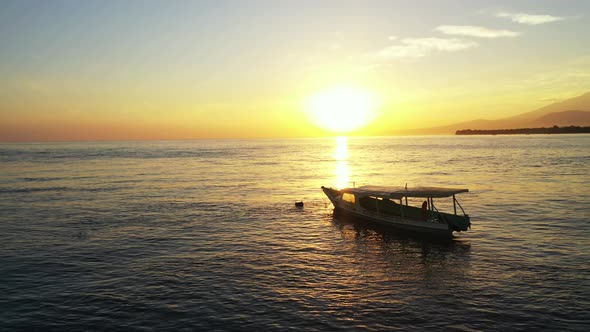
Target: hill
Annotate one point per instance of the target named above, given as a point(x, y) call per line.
point(570, 112)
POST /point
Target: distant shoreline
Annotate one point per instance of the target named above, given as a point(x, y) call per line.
point(550, 130)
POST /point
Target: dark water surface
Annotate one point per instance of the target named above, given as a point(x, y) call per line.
point(203, 235)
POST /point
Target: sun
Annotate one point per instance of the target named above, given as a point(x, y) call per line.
point(342, 109)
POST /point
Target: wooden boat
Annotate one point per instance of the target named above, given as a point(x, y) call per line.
point(389, 206)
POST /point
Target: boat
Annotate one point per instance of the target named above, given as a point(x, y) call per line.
point(389, 206)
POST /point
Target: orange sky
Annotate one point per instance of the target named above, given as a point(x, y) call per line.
point(114, 70)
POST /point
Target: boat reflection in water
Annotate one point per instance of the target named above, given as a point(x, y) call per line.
point(400, 251)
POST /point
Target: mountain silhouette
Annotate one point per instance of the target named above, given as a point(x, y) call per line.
point(570, 112)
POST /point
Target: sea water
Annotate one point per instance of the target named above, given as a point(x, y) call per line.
point(204, 235)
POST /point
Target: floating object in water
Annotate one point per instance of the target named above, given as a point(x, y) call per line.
point(299, 204)
point(386, 205)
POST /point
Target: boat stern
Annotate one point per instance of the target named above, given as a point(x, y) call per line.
point(459, 223)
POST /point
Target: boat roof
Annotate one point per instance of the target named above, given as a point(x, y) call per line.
point(399, 192)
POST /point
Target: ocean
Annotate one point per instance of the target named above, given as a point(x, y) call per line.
point(203, 235)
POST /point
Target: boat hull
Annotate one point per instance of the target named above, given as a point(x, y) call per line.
point(425, 227)
point(406, 225)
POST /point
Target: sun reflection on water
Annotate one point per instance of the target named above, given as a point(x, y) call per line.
point(342, 169)
point(341, 151)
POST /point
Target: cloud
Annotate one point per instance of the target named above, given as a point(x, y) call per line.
point(474, 31)
point(420, 47)
point(530, 19)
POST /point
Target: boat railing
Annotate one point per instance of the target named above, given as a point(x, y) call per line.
point(459, 204)
point(439, 217)
point(434, 208)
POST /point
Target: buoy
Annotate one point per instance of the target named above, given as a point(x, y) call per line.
point(299, 204)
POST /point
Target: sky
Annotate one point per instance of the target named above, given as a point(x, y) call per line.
point(116, 70)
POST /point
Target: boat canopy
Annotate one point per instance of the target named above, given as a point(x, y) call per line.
point(399, 192)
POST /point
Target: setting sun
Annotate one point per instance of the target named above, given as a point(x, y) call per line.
point(342, 109)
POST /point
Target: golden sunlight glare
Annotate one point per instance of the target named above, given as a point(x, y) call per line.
point(342, 171)
point(342, 109)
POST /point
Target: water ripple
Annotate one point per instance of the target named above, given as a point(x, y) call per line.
point(203, 235)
